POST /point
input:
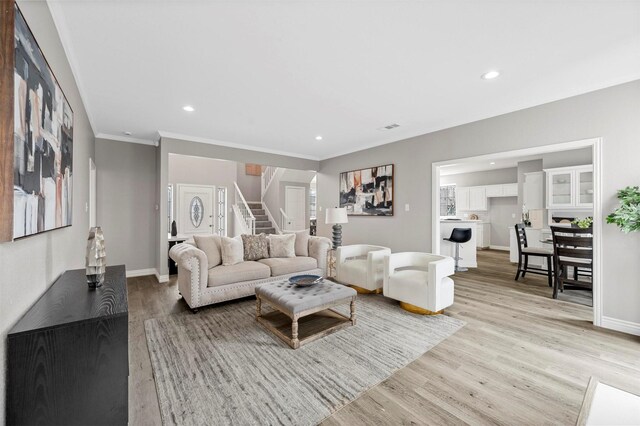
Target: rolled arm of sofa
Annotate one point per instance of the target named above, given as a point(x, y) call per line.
point(193, 268)
point(319, 249)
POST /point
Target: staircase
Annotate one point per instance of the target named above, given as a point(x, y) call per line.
point(263, 224)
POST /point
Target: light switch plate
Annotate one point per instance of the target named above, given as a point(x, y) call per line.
point(406, 207)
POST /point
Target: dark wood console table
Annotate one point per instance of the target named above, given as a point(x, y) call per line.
point(67, 357)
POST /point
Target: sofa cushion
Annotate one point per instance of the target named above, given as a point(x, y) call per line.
point(256, 247)
point(282, 245)
point(232, 251)
point(210, 245)
point(289, 265)
point(302, 241)
point(243, 271)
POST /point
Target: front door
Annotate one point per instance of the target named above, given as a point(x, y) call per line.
point(195, 209)
point(295, 207)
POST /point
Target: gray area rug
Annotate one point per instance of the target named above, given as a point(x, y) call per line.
point(221, 367)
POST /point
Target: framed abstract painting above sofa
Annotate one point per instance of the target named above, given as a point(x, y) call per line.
point(367, 192)
point(41, 137)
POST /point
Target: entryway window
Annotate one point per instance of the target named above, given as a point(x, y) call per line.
point(222, 211)
point(448, 200)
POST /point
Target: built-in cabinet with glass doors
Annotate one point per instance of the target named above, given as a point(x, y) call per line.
point(570, 187)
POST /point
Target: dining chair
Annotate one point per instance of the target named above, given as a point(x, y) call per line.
point(524, 251)
point(572, 248)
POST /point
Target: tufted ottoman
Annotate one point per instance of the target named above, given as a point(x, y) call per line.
point(297, 302)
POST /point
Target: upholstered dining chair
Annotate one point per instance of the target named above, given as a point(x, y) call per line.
point(419, 281)
point(361, 266)
point(573, 248)
point(524, 252)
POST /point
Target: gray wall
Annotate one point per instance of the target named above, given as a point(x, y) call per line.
point(184, 147)
point(610, 113)
point(486, 177)
point(30, 265)
point(126, 202)
point(248, 184)
point(575, 157)
point(501, 211)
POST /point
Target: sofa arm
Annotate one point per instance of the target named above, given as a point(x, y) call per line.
point(319, 249)
point(193, 268)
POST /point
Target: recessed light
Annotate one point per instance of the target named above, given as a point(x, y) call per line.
point(490, 75)
point(188, 108)
point(127, 133)
point(318, 138)
point(492, 163)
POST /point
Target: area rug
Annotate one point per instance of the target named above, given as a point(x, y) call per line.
point(220, 367)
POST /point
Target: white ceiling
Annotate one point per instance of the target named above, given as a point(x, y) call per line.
point(274, 74)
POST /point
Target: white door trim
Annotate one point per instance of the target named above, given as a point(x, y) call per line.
point(304, 202)
point(596, 145)
point(179, 217)
point(93, 193)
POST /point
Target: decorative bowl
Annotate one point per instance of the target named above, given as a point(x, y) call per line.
point(305, 280)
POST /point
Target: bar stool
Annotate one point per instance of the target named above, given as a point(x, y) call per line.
point(459, 236)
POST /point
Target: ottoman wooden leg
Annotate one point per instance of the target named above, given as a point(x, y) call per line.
point(353, 312)
point(295, 343)
point(258, 307)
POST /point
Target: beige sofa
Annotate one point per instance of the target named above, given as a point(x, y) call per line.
point(201, 285)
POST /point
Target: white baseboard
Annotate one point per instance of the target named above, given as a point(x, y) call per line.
point(161, 278)
point(140, 272)
point(621, 325)
point(503, 248)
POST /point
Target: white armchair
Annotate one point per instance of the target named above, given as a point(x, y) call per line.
point(363, 274)
point(420, 281)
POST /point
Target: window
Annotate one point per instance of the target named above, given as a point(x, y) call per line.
point(169, 207)
point(222, 211)
point(448, 200)
point(312, 199)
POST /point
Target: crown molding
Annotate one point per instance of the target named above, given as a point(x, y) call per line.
point(165, 134)
point(126, 139)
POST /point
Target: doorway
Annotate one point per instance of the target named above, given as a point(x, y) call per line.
point(595, 145)
point(295, 202)
point(195, 210)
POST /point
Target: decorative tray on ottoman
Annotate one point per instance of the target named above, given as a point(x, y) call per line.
point(305, 280)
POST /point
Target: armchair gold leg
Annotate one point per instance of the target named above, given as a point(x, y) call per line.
point(364, 290)
point(418, 310)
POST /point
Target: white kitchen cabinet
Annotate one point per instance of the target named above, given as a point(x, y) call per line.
point(477, 198)
point(483, 235)
point(532, 190)
point(462, 199)
point(570, 187)
point(502, 190)
point(510, 190)
point(494, 191)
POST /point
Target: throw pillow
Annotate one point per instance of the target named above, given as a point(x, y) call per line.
point(302, 241)
point(256, 247)
point(282, 245)
point(232, 251)
point(210, 245)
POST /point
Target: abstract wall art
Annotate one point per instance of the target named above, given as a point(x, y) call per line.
point(367, 192)
point(43, 141)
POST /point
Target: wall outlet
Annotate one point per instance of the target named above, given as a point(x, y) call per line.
point(406, 207)
point(465, 215)
point(319, 208)
point(86, 207)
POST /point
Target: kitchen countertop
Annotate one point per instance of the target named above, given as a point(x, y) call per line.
point(463, 221)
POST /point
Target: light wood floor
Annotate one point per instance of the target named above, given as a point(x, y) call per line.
point(522, 358)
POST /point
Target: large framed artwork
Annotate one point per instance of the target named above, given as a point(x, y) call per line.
point(367, 192)
point(43, 141)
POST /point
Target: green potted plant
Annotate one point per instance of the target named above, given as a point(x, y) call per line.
point(585, 223)
point(627, 216)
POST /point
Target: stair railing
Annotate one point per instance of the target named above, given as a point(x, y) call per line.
point(285, 220)
point(245, 212)
point(266, 178)
point(274, 223)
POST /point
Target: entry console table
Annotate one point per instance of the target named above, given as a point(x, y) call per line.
point(68, 361)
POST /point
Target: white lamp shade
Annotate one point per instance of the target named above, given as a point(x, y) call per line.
point(336, 215)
